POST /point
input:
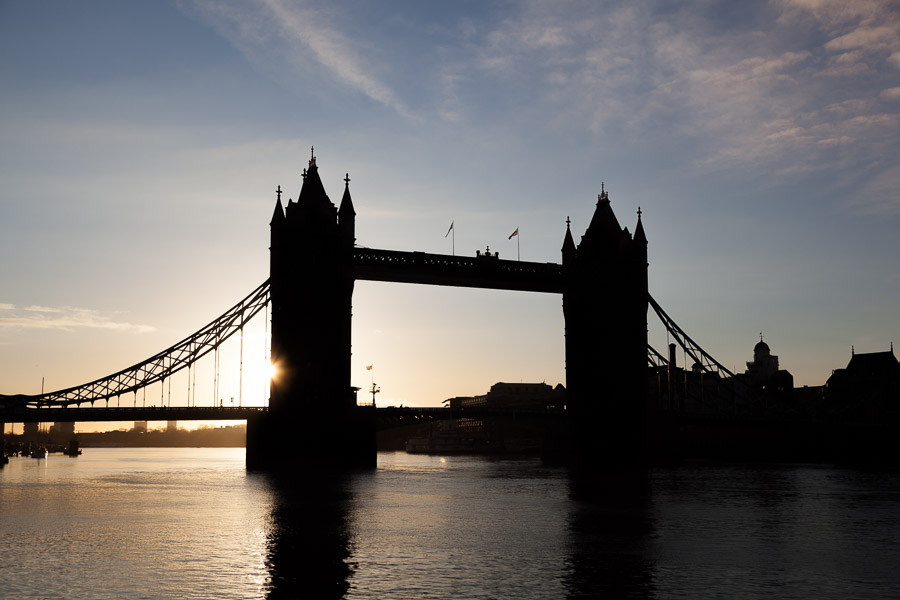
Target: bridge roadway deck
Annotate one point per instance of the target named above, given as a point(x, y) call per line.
point(404, 414)
point(460, 271)
point(123, 413)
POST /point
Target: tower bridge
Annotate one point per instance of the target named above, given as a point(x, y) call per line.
point(314, 262)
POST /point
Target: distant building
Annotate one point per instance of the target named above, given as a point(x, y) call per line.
point(62, 431)
point(171, 426)
point(868, 388)
point(140, 426)
point(530, 396)
point(763, 373)
point(483, 434)
point(764, 386)
point(31, 431)
point(519, 396)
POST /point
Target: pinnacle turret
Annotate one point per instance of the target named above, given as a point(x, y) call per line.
point(278, 215)
point(568, 248)
point(346, 213)
point(639, 236)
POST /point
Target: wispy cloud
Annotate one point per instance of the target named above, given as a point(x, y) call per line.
point(878, 195)
point(799, 87)
point(293, 35)
point(732, 95)
point(65, 318)
point(890, 94)
point(42, 309)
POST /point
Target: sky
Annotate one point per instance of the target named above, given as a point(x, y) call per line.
point(141, 144)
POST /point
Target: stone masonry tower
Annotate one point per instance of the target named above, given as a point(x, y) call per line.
point(605, 308)
point(312, 406)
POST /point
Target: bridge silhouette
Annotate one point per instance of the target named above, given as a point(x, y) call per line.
point(314, 262)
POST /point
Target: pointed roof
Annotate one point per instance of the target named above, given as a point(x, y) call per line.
point(604, 234)
point(313, 203)
point(312, 193)
point(346, 208)
point(639, 235)
point(873, 364)
point(278, 215)
point(604, 222)
point(568, 247)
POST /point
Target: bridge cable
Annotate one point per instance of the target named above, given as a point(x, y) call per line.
point(241, 368)
point(267, 380)
point(690, 347)
point(216, 373)
point(706, 364)
point(159, 366)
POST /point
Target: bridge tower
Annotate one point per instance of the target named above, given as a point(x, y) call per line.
point(605, 309)
point(312, 408)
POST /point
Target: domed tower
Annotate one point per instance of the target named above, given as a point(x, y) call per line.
point(761, 352)
point(764, 366)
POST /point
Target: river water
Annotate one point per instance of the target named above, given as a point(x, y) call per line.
point(192, 523)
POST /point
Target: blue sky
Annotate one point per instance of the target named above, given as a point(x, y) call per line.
point(141, 144)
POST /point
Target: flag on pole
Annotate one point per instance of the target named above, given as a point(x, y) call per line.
point(369, 367)
point(513, 234)
point(449, 230)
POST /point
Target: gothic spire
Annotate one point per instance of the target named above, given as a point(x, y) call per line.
point(346, 203)
point(604, 231)
point(639, 236)
point(346, 214)
point(313, 201)
point(278, 215)
point(568, 247)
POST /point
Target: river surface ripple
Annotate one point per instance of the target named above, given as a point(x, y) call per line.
point(192, 523)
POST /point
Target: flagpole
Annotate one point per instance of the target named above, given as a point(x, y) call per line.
point(515, 234)
point(453, 239)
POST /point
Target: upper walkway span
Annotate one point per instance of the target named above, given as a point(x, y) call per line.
point(483, 271)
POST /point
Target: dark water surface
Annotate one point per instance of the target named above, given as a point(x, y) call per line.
point(192, 523)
